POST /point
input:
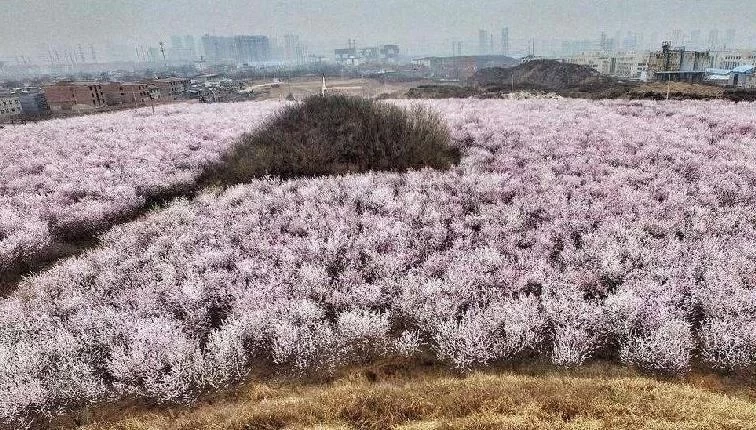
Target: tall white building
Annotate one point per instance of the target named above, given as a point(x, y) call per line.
point(730, 59)
point(505, 41)
point(625, 65)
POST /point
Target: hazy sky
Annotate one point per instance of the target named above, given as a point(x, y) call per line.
point(30, 26)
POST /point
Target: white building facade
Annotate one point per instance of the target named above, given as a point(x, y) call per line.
point(623, 65)
point(729, 60)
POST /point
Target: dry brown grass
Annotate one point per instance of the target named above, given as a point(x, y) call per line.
point(679, 89)
point(413, 397)
point(302, 87)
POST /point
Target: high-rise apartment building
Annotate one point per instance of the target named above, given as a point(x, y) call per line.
point(236, 49)
point(505, 41)
point(483, 42)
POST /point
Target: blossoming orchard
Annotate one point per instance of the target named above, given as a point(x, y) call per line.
point(570, 230)
point(64, 178)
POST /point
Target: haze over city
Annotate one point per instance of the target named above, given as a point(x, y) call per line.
point(32, 28)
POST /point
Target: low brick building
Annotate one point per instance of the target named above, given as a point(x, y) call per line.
point(75, 95)
point(9, 106)
point(170, 88)
point(120, 93)
point(33, 103)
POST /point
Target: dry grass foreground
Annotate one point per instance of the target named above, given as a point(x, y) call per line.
point(415, 396)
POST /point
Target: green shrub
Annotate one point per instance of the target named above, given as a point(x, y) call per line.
point(339, 134)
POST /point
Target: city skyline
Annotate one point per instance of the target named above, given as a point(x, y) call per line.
point(431, 27)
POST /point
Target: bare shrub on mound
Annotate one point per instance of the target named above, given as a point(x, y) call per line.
point(339, 134)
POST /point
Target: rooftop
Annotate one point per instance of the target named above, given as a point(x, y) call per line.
point(78, 83)
point(715, 71)
point(744, 69)
point(171, 79)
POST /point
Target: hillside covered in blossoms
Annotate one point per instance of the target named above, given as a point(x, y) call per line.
point(570, 230)
point(64, 179)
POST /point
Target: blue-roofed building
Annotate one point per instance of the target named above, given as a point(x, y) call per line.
point(718, 76)
point(715, 71)
point(743, 77)
point(744, 69)
point(740, 77)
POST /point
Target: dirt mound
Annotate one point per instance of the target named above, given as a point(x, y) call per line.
point(542, 75)
point(442, 92)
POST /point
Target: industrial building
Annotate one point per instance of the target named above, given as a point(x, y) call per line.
point(624, 65)
point(353, 56)
point(347, 56)
point(389, 53)
point(677, 64)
